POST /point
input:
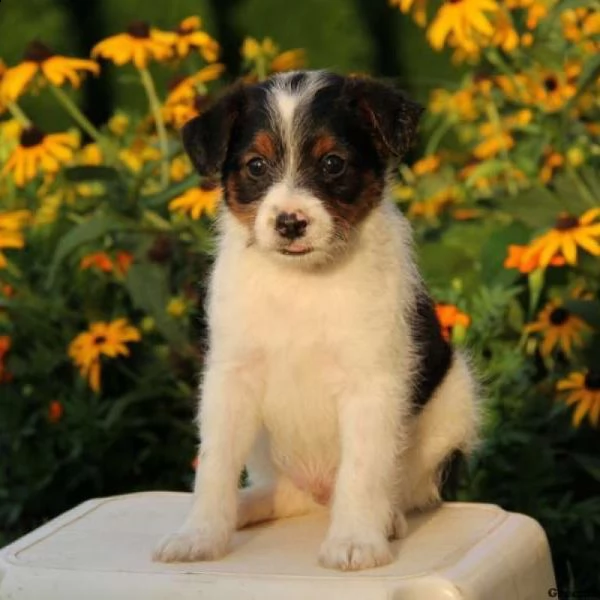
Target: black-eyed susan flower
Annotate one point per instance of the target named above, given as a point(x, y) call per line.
point(428, 164)
point(138, 45)
point(198, 201)
point(138, 154)
point(465, 21)
point(54, 68)
point(12, 224)
point(583, 390)
point(517, 259)
point(568, 234)
point(38, 152)
point(558, 327)
point(449, 317)
point(101, 339)
point(290, 60)
point(189, 36)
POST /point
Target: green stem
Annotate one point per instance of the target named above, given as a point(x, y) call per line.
point(15, 110)
point(261, 67)
point(438, 135)
point(71, 108)
point(154, 102)
point(494, 117)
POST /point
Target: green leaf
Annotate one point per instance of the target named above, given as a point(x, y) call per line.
point(537, 207)
point(147, 286)
point(88, 231)
point(589, 74)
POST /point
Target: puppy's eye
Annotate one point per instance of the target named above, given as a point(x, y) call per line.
point(257, 167)
point(333, 165)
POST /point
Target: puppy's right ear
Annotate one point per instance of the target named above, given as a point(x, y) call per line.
point(206, 137)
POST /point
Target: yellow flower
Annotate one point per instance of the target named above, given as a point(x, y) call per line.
point(11, 231)
point(449, 317)
point(552, 90)
point(566, 236)
point(90, 154)
point(516, 259)
point(252, 49)
point(100, 339)
point(464, 20)
point(186, 88)
point(505, 36)
point(190, 37)
point(56, 69)
point(138, 154)
point(176, 307)
point(558, 327)
point(552, 161)
point(39, 152)
point(583, 389)
point(460, 104)
point(118, 124)
point(289, 60)
point(48, 209)
point(180, 168)
point(138, 45)
point(434, 205)
point(198, 200)
point(417, 6)
point(429, 164)
point(494, 142)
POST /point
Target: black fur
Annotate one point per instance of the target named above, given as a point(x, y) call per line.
point(434, 353)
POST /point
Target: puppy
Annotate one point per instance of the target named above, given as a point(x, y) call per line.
point(327, 373)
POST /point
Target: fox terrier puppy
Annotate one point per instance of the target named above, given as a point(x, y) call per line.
point(327, 374)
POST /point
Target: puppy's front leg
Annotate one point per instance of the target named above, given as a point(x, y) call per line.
point(362, 511)
point(228, 425)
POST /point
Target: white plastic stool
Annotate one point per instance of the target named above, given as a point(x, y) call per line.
point(101, 550)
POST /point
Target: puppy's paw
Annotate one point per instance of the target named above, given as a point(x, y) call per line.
point(353, 553)
point(189, 545)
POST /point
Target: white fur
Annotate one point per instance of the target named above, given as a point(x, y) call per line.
point(308, 383)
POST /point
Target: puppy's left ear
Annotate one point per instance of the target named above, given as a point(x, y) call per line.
point(392, 117)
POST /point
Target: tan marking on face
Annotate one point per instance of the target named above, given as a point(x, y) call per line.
point(264, 145)
point(243, 212)
point(323, 145)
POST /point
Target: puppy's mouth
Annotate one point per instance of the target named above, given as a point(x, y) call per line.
point(296, 250)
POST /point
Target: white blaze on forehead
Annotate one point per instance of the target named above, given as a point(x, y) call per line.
point(287, 104)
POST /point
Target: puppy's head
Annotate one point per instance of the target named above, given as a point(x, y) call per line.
point(303, 157)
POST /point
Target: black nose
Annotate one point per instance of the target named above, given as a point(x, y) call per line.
point(290, 225)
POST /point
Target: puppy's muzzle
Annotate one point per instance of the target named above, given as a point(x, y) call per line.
point(291, 225)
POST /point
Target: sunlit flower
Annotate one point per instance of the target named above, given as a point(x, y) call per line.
point(551, 90)
point(55, 411)
point(90, 154)
point(535, 10)
point(428, 164)
point(290, 60)
point(459, 104)
point(101, 339)
point(198, 201)
point(253, 49)
point(464, 20)
point(558, 327)
point(505, 36)
point(495, 141)
point(48, 209)
point(5, 344)
point(176, 307)
point(516, 259)
point(138, 45)
point(566, 236)
point(417, 7)
point(103, 262)
point(583, 390)
point(11, 231)
point(449, 317)
point(180, 168)
point(56, 69)
point(190, 37)
point(39, 152)
point(138, 154)
point(434, 205)
point(118, 124)
point(552, 161)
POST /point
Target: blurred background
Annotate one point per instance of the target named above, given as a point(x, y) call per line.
point(106, 233)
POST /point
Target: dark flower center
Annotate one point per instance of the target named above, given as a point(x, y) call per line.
point(139, 29)
point(550, 83)
point(37, 52)
point(559, 316)
point(566, 222)
point(99, 339)
point(592, 381)
point(208, 185)
point(32, 136)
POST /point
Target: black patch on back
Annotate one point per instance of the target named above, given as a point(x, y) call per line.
point(434, 353)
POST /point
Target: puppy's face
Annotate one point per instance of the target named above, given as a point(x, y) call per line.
point(303, 158)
